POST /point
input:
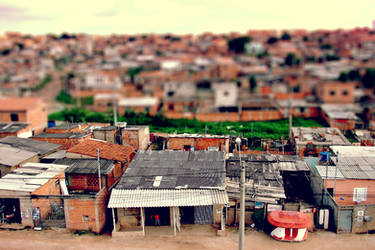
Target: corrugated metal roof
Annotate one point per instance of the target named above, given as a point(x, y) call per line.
point(39, 147)
point(10, 156)
point(61, 135)
point(322, 170)
point(166, 197)
point(86, 166)
point(30, 176)
point(179, 169)
point(357, 167)
point(12, 127)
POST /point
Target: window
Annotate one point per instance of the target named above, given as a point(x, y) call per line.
point(85, 218)
point(226, 93)
point(170, 107)
point(92, 181)
point(332, 92)
point(302, 109)
point(345, 92)
point(359, 194)
point(14, 117)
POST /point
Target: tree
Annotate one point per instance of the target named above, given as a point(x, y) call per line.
point(272, 40)
point(344, 77)
point(354, 75)
point(291, 60)
point(285, 36)
point(132, 72)
point(253, 83)
point(238, 44)
point(326, 46)
point(332, 57)
point(368, 79)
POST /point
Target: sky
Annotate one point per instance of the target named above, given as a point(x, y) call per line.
point(181, 16)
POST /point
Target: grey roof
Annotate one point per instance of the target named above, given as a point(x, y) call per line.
point(57, 155)
point(10, 156)
point(29, 144)
point(66, 126)
point(176, 169)
point(30, 177)
point(86, 166)
point(61, 135)
point(12, 127)
point(263, 177)
point(108, 128)
point(332, 172)
point(319, 136)
point(357, 167)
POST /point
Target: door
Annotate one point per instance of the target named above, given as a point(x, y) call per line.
point(345, 221)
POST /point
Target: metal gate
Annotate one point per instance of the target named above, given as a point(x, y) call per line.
point(203, 215)
point(56, 216)
point(345, 221)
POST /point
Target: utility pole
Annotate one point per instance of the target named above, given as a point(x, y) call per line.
point(114, 109)
point(100, 178)
point(337, 163)
point(290, 119)
point(242, 200)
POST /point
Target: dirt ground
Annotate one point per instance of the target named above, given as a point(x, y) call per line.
point(60, 239)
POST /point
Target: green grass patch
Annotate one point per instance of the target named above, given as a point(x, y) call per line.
point(158, 123)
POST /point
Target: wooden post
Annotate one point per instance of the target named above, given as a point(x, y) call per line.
point(143, 220)
point(174, 220)
point(114, 221)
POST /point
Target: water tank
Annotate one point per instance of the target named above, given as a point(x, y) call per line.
point(325, 156)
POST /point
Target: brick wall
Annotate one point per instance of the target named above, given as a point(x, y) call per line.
point(37, 117)
point(177, 143)
point(87, 213)
point(218, 117)
point(52, 187)
point(345, 188)
point(130, 137)
point(336, 92)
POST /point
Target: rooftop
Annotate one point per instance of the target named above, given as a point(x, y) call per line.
point(86, 166)
point(10, 156)
point(198, 136)
point(174, 170)
point(319, 136)
point(263, 175)
point(12, 127)
point(29, 145)
point(30, 177)
point(61, 135)
point(109, 151)
point(138, 101)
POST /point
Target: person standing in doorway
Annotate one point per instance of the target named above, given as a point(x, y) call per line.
point(157, 219)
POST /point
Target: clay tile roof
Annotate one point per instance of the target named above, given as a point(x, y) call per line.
point(109, 151)
point(19, 104)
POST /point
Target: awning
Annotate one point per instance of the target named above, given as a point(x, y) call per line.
point(166, 197)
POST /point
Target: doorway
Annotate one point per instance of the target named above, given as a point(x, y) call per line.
point(164, 216)
point(187, 215)
point(10, 211)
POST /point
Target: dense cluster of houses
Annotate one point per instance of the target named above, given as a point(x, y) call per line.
point(202, 76)
point(99, 177)
point(123, 179)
